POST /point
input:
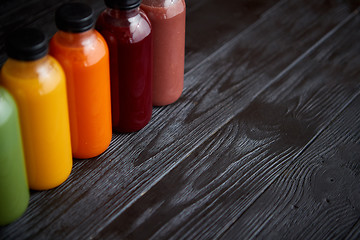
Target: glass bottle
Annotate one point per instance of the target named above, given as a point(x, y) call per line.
point(127, 32)
point(84, 56)
point(37, 83)
point(14, 190)
point(167, 18)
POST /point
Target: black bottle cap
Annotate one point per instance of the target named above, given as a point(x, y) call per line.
point(122, 4)
point(74, 17)
point(26, 44)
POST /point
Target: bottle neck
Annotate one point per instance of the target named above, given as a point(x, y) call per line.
point(159, 3)
point(26, 64)
point(119, 13)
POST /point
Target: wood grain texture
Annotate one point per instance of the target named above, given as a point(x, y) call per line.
point(99, 191)
point(317, 197)
point(223, 21)
point(277, 137)
point(355, 231)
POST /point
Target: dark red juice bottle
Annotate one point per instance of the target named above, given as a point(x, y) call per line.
point(128, 34)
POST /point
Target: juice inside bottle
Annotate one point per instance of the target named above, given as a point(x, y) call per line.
point(128, 35)
point(168, 23)
point(84, 56)
point(37, 83)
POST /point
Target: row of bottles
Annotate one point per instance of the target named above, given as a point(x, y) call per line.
point(62, 100)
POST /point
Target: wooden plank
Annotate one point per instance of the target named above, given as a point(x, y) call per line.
point(317, 196)
point(279, 137)
point(8, 7)
point(102, 188)
point(222, 21)
point(355, 232)
point(322, 186)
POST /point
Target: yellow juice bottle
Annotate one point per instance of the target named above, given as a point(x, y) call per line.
point(37, 83)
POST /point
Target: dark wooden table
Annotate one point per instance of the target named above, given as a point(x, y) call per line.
point(264, 142)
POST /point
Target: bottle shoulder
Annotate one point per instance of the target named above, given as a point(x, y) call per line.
point(77, 40)
point(163, 9)
point(73, 48)
point(38, 70)
point(162, 3)
point(125, 27)
point(37, 78)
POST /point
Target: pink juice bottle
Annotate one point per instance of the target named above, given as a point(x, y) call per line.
point(167, 18)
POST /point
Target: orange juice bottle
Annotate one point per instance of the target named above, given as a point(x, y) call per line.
point(84, 56)
point(37, 83)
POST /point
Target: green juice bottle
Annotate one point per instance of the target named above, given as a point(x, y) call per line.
point(14, 191)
